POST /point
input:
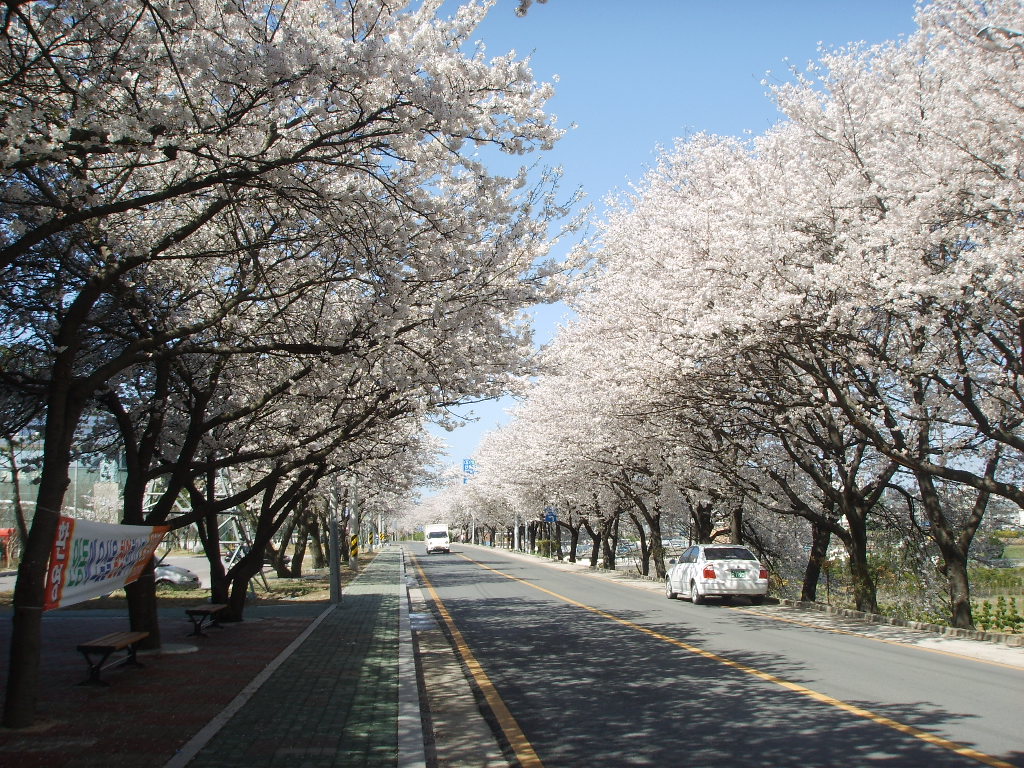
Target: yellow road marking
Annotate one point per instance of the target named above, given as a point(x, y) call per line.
point(520, 745)
point(874, 717)
point(851, 632)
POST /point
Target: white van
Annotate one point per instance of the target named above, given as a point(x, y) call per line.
point(436, 538)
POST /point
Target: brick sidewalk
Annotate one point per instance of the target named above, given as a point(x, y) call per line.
point(330, 702)
point(334, 700)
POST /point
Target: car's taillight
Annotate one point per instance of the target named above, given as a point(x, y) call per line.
point(763, 573)
point(709, 572)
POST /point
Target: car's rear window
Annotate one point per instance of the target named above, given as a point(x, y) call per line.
point(438, 535)
point(728, 553)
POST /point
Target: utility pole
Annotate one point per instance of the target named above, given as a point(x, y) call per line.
point(354, 525)
point(334, 551)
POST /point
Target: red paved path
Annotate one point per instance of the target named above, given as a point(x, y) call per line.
point(145, 715)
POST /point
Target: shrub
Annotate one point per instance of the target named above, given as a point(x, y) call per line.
point(916, 610)
point(991, 582)
point(547, 547)
point(1004, 616)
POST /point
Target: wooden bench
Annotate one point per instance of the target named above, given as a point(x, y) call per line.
point(97, 652)
point(200, 614)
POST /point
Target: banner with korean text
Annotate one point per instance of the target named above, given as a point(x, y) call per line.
point(92, 559)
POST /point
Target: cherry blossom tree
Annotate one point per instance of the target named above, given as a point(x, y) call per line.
point(171, 170)
point(836, 302)
point(927, 268)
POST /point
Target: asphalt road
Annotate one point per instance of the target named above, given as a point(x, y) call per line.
point(599, 673)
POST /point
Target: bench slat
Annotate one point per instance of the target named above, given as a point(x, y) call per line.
point(115, 640)
point(213, 608)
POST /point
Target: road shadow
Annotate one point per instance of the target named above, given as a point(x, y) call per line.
point(588, 690)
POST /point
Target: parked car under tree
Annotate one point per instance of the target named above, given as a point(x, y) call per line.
point(717, 570)
point(176, 577)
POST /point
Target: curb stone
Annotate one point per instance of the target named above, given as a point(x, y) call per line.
point(1004, 638)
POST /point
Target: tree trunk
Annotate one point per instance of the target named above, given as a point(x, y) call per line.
point(29, 590)
point(645, 553)
point(19, 510)
point(702, 523)
point(609, 542)
point(143, 615)
point(736, 525)
point(574, 538)
point(278, 555)
point(299, 550)
point(820, 538)
point(657, 551)
point(320, 557)
point(142, 607)
point(595, 543)
point(238, 580)
point(864, 595)
point(959, 592)
point(209, 532)
point(954, 548)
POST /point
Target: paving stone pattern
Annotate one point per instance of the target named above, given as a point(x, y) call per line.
point(334, 700)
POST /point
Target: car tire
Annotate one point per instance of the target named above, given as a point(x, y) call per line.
point(756, 599)
point(164, 583)
point(695, 596)
point(668, 590)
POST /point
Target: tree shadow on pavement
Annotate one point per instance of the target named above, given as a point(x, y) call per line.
point(587, 690)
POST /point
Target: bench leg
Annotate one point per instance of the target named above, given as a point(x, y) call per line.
point(95, 667)
point(199, 621)
point(197, 626)
point(133, 659)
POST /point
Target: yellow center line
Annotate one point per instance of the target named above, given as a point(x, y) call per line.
point(874, 717)
point(836, 630)
point(517, 740)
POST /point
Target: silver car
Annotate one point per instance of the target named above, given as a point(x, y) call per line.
point(176, 577)
point(717, 570)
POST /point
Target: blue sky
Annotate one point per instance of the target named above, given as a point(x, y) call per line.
point(636, 74)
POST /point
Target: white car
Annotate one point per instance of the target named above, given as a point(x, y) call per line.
point(436, 538)
point(717, 570)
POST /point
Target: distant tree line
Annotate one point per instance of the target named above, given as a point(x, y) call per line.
point(808, 340)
